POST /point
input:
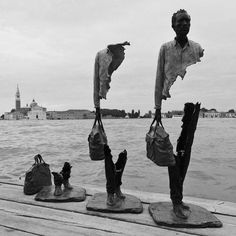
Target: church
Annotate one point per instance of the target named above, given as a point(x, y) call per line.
point(32, 112)
point(36, 112)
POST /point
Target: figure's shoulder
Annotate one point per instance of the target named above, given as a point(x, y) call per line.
point(168, 45)
point(102, 52)
point(101, 55)
point(194, 44)
point(196, 47)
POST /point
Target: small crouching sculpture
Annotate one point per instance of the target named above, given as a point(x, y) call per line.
point(62, 178)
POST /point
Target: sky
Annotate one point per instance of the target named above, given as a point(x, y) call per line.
point(48, 48)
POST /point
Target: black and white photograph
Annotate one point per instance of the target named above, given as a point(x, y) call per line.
point(117, 117)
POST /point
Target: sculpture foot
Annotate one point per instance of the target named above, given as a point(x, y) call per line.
point(185, 206)
point(119, 194)
point(58, 179)
point(110, 199)
point(65, 172)
point(67, 185)
point(179, 211)
point(58, 191)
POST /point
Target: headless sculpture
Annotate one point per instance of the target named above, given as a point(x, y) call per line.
point(106, 62)
point(62, 178)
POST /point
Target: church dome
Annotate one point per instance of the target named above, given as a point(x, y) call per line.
point(33, 103)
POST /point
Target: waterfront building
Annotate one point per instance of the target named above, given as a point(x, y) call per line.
point(228, 114)
point(28, 112)
point(212, 113)
point(13, 115)
point(36, 112)
point(72, 114)
point(17, 113)
point(177, 113)
point(17, 99)
point(148, 115)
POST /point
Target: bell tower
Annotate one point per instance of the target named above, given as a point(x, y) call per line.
point(17, 98)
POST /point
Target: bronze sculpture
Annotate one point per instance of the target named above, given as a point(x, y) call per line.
point(58, 194)
point(114, 174)
point(174, 57)
point(62, 178)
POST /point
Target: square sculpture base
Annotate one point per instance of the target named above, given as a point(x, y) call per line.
point(162, 213)
point(130, 204)
point(68, 195)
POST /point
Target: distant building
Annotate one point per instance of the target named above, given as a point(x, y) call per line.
point(228, 115)
point(70, 115)
point(13, 115)
point(36, 112)
point(167, 115)
point(177, 113)
point(147, 115)
point(17, 99)
point(134, 114)
point(212, 113)
point(19, 113)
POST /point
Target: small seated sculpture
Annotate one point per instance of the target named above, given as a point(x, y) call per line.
point(114, 174)
point(62, 178)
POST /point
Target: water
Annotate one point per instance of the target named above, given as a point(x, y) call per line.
point(211, 174)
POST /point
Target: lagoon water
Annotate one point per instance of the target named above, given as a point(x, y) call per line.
point(211, 174)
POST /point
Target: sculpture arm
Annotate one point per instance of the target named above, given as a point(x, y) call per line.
point(159, 79)
point(98, 113)
point(96, 83)
point(158, 115)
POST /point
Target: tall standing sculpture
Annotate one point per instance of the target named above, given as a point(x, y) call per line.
point(174, 57)
point(106, 62)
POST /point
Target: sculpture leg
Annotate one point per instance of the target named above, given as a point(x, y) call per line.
point(66, 170)
point(187, 117)
point(188, 146)
point(58, 179)
point(189, 140)
point(110, 176)
point(176, 187)
point(184, 158)
point(177, 173)
point(120, 165)
point(175, 182)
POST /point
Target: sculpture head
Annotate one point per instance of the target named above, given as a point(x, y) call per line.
point(181, 23)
